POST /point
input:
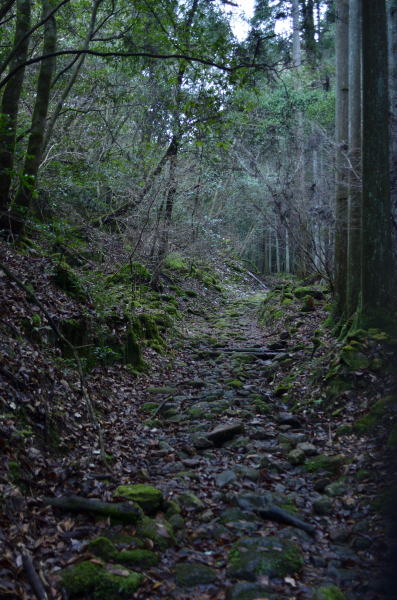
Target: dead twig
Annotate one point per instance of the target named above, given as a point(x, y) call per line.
point(34, 579)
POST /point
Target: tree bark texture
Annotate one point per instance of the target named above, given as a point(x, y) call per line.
point(341, 140)
point(354, 177)
point(73, 76)
point(9, 110)
point(33, 155)
point(376, 257)
point(392, 25)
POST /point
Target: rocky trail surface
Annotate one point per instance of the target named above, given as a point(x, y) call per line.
point(218, 491)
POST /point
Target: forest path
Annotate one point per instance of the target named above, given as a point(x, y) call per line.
point(221, 447)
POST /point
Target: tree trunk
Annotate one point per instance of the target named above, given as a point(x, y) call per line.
point(376, 259)
point(21, 203)
point(341, 140)
point(73, 76)
point(287, 260)
point(392, 23)
point(171, 193)
point(9, 111)
point(5, 7)
point(354, 177)
point(277, 252)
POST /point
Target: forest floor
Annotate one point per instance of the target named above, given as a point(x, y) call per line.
point(215, 435)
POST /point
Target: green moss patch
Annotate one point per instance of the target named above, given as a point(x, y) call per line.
point(274, 557)
point(327, 463)
point(109, 586)
point(189, 575)
point(137, 558)
point(157, 530)
point(328, 592)
point(146, 496)
point(80, 579)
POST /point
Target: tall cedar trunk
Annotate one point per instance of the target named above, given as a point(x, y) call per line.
point(392, 24)
point(376, 258)
point(341, 139)
point(354, 204)
point(73, 76)
point(9, 111)
point(309, 29)
point(21, 202)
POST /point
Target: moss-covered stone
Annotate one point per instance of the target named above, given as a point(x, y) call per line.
point(328, 592)
point(109, 586)
point(327, 463)
point(377, 414)
point(103, 548)
point(191, 574)
point(176, 262)
point(146, 496)
point(308, 304)
point(177, 522)
point(234, 384)
point(157, 530)
point(153, 423)
point(354, 358)
point(271, 556)
point(149, 406)
point(80, 579)
point(137, 558)
point(281, 389)
point(171, 508)
point(189, 500)
point(302, 292)
point(344, 430)
point(132, 352)
point(68, 281)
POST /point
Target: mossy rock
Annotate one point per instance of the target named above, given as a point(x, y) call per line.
point(109, 586)
point(286, 302)
point(80, 579)
point(103, 548)
point(137, 558)
point(308, 304)
point(162, 320)
point(338, 384)
point(249, 560)
point(157, 530)
point(282, 389)
point(150, 329)
point(147, 497)
point(327, 463)
point(191, 574)
point(344, 430)
point(191, 293)
point(328, 592)
point(171, 508)
point(353, 358)
point(149, 406)
point(302, 292)
point(132, 352)
point(68, 281)
point(243, 358)
point(189, 500)
point(234, 384)
point(378, 414)
point(172, 310)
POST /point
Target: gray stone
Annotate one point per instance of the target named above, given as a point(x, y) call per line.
point(192, 574)
point(224, 433)
point(191, 463)
point(308, 449)
point(296, 457)
point(249, 591)
point(177, 522)
point(285, 418)
point(271, 556)
point(323, 506)
point(202, 443)
point(339, 534)
point(338, 488)
point(246, 472)
point(251, 501)
point(225, 478)
point(321, 484)
point(162, 390)
point(189, 500)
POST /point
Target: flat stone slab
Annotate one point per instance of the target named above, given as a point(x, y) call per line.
point(285, 418)
point(225, 478)
point(162, 390)
point(191, 574)
point(202, 443)
point(224, 433)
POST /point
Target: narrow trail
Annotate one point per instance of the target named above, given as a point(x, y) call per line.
point(217, 443)
point(241, 499)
